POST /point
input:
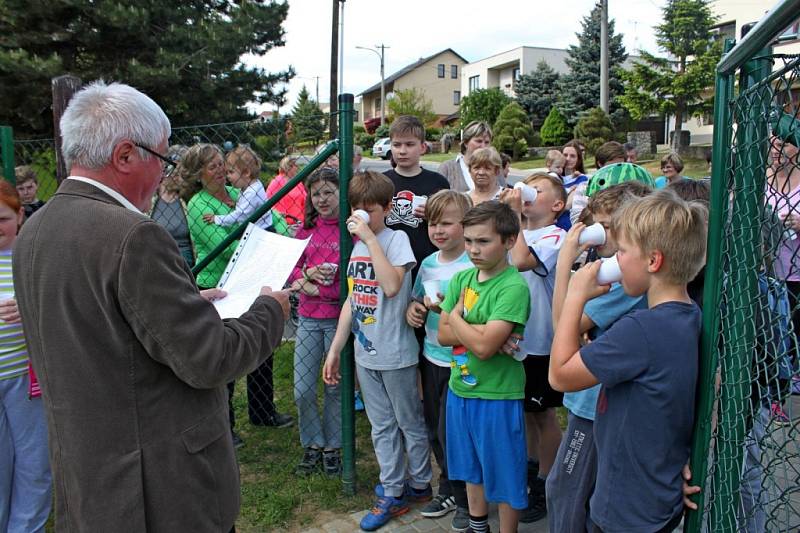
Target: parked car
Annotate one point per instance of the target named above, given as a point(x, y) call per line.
point(382, 148)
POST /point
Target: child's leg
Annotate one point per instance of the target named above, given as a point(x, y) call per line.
point(386, 438)
point(401, 389)
point(571, 480)
point(509, 518)
point(549, 431)
point(434, 388)
point(477, 500)
point(308, 354)
point(332, 408)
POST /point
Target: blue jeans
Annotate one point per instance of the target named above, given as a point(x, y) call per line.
point(313, 339)
point(25, 480)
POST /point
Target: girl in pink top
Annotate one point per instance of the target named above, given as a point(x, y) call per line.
point(293, 205)
point(315, 279)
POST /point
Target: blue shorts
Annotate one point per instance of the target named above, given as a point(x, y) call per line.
point(486, 446)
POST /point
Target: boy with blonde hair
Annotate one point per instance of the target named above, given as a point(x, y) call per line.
point(445, 210)
point(386, 351)
point(646, 363)
point(535, 254)
point(554, 161)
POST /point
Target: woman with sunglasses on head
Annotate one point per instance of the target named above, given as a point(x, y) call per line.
point(169, 209)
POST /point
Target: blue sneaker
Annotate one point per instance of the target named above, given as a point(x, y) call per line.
point(384, 510)
point(359, 403)
point(410, 493)
point(469, 380)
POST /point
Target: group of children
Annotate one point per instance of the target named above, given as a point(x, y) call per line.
point(502, 330)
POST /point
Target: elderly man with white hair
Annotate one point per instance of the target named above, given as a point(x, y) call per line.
point(132, 358)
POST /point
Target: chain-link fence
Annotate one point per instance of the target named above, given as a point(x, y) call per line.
point(746, 456)
point(286, 424)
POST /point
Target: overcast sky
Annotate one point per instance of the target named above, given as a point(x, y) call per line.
point(417, 28)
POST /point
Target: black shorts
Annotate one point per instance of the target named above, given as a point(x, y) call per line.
point(539, 395)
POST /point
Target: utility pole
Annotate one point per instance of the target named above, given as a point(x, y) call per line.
point(381, 55)
point(604, 55)
point(317, 78)
point(334, 70)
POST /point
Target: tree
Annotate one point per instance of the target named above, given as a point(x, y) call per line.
point(555, 130)
point(512, 131)
point(580, 88)
point(594, 128)
point(185, 54)
point(411, 102)
point(538, 91)
point(676, 85)
point(308, 121)
point(483, 104)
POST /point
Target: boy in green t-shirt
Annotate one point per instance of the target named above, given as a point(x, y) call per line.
point(485, 422)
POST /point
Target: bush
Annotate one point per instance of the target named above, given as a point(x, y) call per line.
point(595, 125)
point(358, 128)
point(433, 134)
point(555, 130)
point(512, 131)
point(382, 131)
point(364, 140)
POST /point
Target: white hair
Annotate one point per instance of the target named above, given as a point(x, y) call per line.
point(101, 115)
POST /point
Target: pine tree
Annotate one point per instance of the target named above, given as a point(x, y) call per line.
point(594, 128)
point(555, 130)
point(538, 91)
point(512, 131)
point(308, 121)
point(186, 55)
point(580, 89)
point(676, 85)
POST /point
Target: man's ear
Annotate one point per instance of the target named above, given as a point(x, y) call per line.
point(123, 156)
point(655, 261)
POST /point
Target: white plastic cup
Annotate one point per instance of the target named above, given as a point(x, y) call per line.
point(363, 215)
point(432, 287)
point(528, 193)
point(609, 271)
point(594, 235)
point(418, 201)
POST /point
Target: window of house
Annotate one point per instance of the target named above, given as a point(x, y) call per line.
point(456, 97)
point(515, 74)
point(440, 68)
point(791, 33)
point(474, 83)
point(454, 72)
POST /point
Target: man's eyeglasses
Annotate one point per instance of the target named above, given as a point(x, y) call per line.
point(168, 165)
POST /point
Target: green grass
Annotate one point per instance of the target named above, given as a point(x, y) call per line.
point(273, 497)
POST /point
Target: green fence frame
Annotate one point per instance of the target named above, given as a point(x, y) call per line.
point(7, 153)
point(746, 57)
point(344, 147)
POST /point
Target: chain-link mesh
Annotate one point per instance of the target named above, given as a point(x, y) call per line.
point(286, 421)
point(753, 481)
point(35, 172)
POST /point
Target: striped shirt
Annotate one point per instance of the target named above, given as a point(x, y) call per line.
point(13, 352)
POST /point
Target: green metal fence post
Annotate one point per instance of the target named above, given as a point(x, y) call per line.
point(701, 436)
point(7, 153)
point(347, 365)
point(748, 182)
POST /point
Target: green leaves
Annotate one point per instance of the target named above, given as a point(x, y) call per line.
point(184, 54)
point(483, 104)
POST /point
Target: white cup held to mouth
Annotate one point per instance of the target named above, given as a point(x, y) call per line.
point(528, 193)
point(360, 213)
point(594, 235)
point(609, 271)
point(432, 289)
point(418, 201)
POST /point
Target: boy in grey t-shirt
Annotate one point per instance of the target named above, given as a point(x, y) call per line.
point(379, 279)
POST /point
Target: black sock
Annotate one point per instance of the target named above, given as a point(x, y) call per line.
point(479, 524)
